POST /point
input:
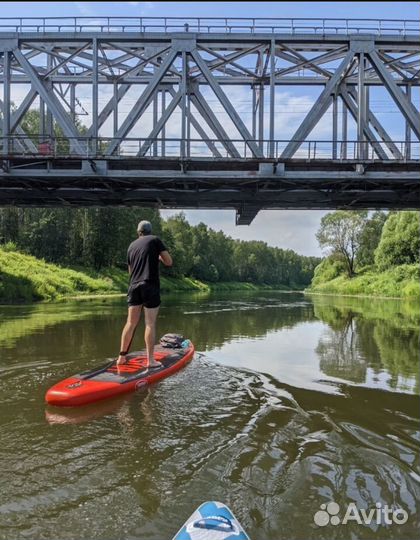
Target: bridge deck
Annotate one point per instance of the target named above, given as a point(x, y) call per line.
point(244, 185)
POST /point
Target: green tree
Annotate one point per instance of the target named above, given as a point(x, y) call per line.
point(400, 240)
point(44, 232)
point(370, 238)
point(177, 235)
point(10, 218)
point(341, 233)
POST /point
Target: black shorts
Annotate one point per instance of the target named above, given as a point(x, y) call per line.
point(144, 294)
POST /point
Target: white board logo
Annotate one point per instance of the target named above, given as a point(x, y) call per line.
point(75, 385)
point(379, 515)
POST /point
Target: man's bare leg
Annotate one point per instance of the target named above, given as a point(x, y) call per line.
point(150, 315)
point(133, 318)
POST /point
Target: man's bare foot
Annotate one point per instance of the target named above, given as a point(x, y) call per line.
point(121, 360)
point(155, 364)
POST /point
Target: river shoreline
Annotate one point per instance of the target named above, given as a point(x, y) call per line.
point(398, 282)
point(26, 279)
point(206, 288)
point(372, 296)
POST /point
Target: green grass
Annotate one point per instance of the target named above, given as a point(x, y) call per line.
point(25, 278)
point(172, 284)
point(398, 282)
point(119, 279)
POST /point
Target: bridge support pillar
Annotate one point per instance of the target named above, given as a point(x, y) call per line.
point(246, 214)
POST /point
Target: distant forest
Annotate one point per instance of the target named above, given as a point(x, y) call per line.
point(98, 238)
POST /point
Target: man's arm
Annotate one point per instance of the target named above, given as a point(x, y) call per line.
point(165, 258)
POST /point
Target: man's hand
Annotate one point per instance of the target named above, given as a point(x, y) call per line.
point(165, 258)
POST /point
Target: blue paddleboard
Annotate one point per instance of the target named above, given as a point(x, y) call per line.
point(212, 521)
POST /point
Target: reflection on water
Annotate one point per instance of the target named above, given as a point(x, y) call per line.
point(340, 353)
point(297, 401)
point(375, 343)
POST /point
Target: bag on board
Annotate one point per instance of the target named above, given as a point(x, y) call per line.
point(172, 341)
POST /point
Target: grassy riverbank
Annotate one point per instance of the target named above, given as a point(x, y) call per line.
point(401, 281)
point(25, 278)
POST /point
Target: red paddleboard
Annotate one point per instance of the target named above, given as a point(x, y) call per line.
point(111, 380)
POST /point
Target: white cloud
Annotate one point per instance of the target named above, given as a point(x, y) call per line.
point(89, 9)
point(145, 7)
point(84, 8)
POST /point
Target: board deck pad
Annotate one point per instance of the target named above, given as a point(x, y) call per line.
point(212, 521)
point(135, 366)
point(111, 380)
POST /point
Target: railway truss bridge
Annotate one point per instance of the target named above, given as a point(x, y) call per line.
point(246, 114)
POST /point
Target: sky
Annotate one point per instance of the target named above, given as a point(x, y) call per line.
point(391, 10)
point(288, 229)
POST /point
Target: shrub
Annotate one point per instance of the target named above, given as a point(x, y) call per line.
point(328, 269)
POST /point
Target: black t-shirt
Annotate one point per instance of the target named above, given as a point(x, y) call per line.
point(143, 259)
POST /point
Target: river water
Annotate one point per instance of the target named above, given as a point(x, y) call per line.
point(291, 402)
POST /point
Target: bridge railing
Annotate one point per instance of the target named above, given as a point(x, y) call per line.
point(210, 25)
point(97, 148)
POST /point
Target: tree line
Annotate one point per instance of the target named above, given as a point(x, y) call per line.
point(98, 238)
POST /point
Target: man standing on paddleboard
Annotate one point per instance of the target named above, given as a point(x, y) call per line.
point(143, 258)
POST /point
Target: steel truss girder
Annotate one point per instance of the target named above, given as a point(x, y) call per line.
point(142, 102)
point(354, 111)
point(377, 126)
point(408, 110)
point(54, 105)
point(210, 118)
point(223, 80)
point(199, 128)
point(24, 142)
point(319, 107)
point(227, 105)
point(183, 64)
point(161, 123)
